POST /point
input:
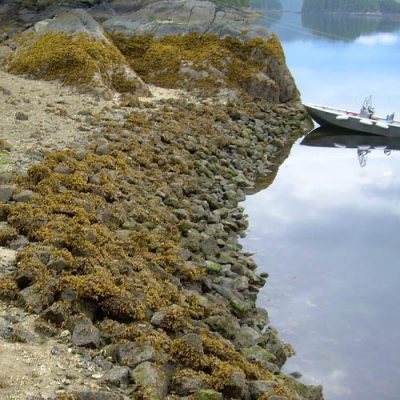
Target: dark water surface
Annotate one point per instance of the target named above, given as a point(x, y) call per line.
point(328, 230)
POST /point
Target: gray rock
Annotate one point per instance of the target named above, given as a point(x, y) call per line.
point(262, 356)
point(23, 335)
point(247, 337)
point(62, 169)
point(5, 178)
point(85, 334)
point(131, 354)
point(227, 325)
point(153, 378)
point(98, 395)
point(236, 387)
point(259, 388)
point(103, 149)
point(190, 384)
point(74, 21)
point(277, 398)
point(30, 298)
point(6, 192)
point(5, 52)
point(210, 247)
point(23, 196)
point(6, 329)
point(116, 376)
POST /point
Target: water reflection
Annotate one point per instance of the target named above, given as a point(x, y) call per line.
point(339, 27)
point(291, 26)
point(327, 230)
point(342, 138)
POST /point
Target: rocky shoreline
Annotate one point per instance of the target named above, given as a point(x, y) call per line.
point(127, 252)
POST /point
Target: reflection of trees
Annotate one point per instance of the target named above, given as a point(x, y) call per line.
point(347, 27)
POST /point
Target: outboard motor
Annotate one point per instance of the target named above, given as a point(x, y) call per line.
point(390, 118)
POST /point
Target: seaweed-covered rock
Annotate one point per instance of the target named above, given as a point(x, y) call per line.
point(151, 379)
point(72, 47)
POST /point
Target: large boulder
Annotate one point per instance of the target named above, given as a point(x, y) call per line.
point(72, 47)
point(72, 22)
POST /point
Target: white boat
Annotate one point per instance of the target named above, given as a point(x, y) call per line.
point(364, 121)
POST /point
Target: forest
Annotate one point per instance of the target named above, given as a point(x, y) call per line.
point(356, 6)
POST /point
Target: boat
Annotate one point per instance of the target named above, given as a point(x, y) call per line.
point(364, 121)
point(330, 136)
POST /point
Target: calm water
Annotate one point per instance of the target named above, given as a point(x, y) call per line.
point(328, 230)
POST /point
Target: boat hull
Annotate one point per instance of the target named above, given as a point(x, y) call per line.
point(326, 116)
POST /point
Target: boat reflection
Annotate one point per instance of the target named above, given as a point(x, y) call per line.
point(343, 138)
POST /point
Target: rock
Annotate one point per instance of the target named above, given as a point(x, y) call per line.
point(247, 337)
point(5, 177)
point(210, 247)
point(131, 354)
point(208, 394)
point(236, 387)
point(259, 388)
point(85, 334)
point(227, 325)
point(31, 298)
point(6, 329)
point(62, 169)
point(103, 150)
point(98, 395)
point(23, 335)
point(20, 116)
point(277, 398)
point(213, 267)
point(117, 376)
point(6, 192)
point(151, 377)
point(5, 52)
point(74, 21)
point(23, 196)
point(188, 385)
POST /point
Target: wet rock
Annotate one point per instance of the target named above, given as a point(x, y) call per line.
point(151, 377)
point(259, 388)
point(236, 387)
point(117, 376)
point(85, 334)
point(226, 325)
point(131, 354)
point(247, 337)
